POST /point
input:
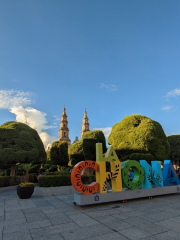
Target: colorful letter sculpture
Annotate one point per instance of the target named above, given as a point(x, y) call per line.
point(138, 174)
point(102, 176)
point(169, 174)
point(76, 177)
point(153, 173)
point(119, 174)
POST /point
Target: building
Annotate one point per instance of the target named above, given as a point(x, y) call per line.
point(64, 130)
point(76, 140)
point(85, 124)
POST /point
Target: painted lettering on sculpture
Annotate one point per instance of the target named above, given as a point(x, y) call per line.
point(143, 173)
point(76, 177)
point(138, 174)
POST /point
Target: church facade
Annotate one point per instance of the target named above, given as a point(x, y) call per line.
point(64, 130)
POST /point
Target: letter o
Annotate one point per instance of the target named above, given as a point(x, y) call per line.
point(138, 174)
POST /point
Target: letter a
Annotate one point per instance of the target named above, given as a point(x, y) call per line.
point(169, 174)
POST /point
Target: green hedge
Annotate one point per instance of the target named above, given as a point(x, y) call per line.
point(58, 180)
point(62, 173)
point(54, 181)
point(7, 181)
point(142, 156)
point(11, 181)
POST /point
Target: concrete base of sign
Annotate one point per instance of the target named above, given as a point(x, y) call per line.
point(126, 194)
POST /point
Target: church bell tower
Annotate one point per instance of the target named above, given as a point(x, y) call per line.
point(85, 124)
point(64, 130)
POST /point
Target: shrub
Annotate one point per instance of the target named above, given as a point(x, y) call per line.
point(26, 184)
point(62, 173)
point(59, 180)
point(86, 179)
point(54, 181)
point(11, 181)
point(53, 168)
point(5, 181)
point(90, 139)
point(75, 152)
point(42, 170)
point(174, 142)
point(139, 134)
point(19, 144)
point(125, 158)
point(48, 155)
point(142, 156)
point(33, 177)
point(59, 153)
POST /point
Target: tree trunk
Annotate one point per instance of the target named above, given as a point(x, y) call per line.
point(27, 178)
point(13, 170)
point(5, 172)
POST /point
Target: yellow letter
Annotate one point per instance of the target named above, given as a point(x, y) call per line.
point(101, 175)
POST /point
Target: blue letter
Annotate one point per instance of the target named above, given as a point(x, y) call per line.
point(169, 174)
point(152, 174)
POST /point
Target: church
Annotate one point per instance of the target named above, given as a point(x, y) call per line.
point(64, 130)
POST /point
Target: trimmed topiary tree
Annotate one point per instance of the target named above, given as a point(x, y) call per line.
point(174, 142)
point(75, 152)
point(139, 134)
point(59, 153)
point(90, 139)
point(48, 155)
point(19, 143)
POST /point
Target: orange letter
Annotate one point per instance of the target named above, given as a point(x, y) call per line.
point(76, 177)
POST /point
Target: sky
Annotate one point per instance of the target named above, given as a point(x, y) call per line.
point(113, 57)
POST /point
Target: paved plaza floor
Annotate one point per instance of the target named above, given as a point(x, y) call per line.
point(56, 218)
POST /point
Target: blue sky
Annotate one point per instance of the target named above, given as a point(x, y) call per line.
point(115, 58)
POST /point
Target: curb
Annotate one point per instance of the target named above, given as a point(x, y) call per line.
point(53, 191)
point(45, 192)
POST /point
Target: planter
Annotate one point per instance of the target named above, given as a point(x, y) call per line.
point(25, 192)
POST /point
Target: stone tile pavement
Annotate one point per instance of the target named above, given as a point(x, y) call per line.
point(55, 217)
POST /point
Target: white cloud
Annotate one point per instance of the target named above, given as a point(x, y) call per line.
point(106, 131)
point(15, 101)
point(109, 88)
point(173, 93)
point(57, 119)
point(166, 108)
point(35, 119)
point(12, 98)
point(47, 139)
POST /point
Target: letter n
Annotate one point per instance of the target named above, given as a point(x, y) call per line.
point(153, 173)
